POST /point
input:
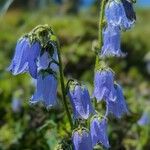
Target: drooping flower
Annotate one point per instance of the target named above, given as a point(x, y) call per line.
point(80, 101)
point(104, 85)
point(46, 90)
point(82, 140)
point(145, 119)
point(111, 42)
point(128, 7)
point(116, 15)
point(25, 58)
point(98, 131)
point(117, 107)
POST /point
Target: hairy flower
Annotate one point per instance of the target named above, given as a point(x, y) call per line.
point(145, 119)
point(82, 140)
point(104, 85)
point(46, 90)
point(111, 42)
point(98, 131)
point(117, 107)
point(81, 102)
point(116, 15)
point(25, 58)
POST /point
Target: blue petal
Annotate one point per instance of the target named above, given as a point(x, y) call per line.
point(17, 66)
point(116, 16)
point(128, 7)
point(104, 85)
point(98, 131)
point(54, 66)
point(25, 58)
point(81, 102)
point(33, 54)
point(50, 90)
point(45, 60)
point(118, 107)
point(46, 90)
point(111, 42)
point(82, 140)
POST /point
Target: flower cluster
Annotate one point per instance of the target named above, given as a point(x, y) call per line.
point(119, 16)
point(40, 60)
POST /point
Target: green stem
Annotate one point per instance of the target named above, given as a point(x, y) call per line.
point(100, 36)
point(100, 32)
point(63, 89)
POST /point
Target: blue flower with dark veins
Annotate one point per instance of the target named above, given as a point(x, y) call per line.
point(104, 85)
point(130, 13)
point(46, 90)
point(98, 129)
point(117, 107)
point(145, 119)
point(82, 140)
point(111, 42)
point(116, 15)
point(80, 101)
point(25, 58)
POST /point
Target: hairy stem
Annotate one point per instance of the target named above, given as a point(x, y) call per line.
point(63, 89)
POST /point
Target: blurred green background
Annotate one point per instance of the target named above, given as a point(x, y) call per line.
point(33, 127)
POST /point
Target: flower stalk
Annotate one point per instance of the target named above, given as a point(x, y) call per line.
point(100, 33)
point(63, 89)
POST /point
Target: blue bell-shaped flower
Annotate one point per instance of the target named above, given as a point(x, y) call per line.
point(80, 101)
point(25, 58)
point(46, 90)
point(98, 129)
point(111, 42)
point(104, 85)
point(117, 107)
point(82, 140)
point(116, 15)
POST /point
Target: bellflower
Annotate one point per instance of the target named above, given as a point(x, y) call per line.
point(98, 131)
point(81, 102)
point(25, 58)
point(116, 15)
point(111, 42)
point(82, 140)
point(46, 90)
point(145, 119)
point(117, 107)
point(104, 85)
